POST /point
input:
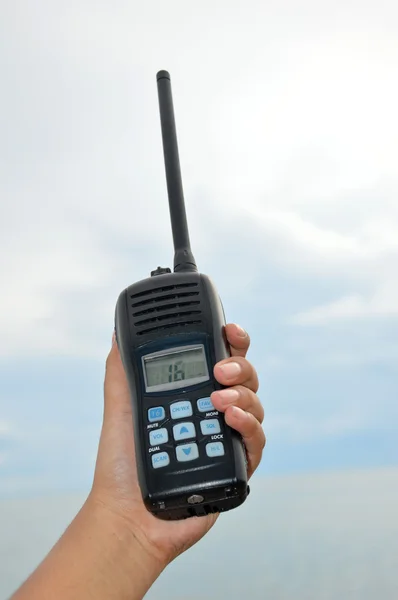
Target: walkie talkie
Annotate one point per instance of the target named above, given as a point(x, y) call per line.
point(170, 334)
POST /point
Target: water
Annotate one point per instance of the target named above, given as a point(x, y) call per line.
point(307, 537)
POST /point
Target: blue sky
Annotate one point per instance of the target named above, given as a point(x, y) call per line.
point(289, 149)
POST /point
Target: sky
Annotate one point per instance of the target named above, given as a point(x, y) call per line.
point(286, 116)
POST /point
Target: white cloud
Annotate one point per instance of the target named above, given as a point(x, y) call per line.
point(350, 308)
point(326, 244)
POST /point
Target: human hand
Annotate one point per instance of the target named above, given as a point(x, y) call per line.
point(116, 486)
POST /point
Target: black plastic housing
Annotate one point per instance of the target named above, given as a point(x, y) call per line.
point(165, 311)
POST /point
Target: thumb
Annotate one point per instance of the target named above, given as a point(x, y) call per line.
point(116, 389)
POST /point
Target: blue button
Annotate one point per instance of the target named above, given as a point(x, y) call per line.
point(187, 452)
point(215, 449)
point(156, 414)
point(210, 426)
point(205, 404)
point(161, 459)
point(158, 436)
point(184, 431)
point(180, 410)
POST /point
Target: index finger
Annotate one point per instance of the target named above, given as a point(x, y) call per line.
point(238, 339)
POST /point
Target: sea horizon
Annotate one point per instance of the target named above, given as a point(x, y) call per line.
point(302, 536)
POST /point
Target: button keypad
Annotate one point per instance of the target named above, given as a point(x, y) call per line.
point(184, 431)
point(215, 449)
point(158, 436)
point(156, 414)
point(210, 426)
point(187, 452)
point(180, 431)
point(204, 405)
point(181, 409)
point(160, 459)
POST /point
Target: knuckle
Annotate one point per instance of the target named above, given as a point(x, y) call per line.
point(251, 400)
point(254, 425)
point(244, 392)
point(247, 368)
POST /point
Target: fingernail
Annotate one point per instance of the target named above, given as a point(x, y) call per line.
point(228, 396)
point(113, 337)
point(240, 331)
point(231, 370)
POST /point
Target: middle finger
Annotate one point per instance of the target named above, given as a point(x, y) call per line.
point(241, 397)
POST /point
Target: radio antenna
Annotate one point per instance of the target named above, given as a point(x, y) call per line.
point(183, 257)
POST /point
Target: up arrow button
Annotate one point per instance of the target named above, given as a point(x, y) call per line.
point(184, 431)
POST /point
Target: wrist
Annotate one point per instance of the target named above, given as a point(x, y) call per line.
point(98, 556)
point(128, 531)
point(128, 554)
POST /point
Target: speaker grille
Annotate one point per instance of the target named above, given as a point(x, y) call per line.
point(165, 307)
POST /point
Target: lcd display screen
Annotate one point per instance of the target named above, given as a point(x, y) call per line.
point(176, 368)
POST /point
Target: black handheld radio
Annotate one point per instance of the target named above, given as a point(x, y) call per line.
point(170, 333)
